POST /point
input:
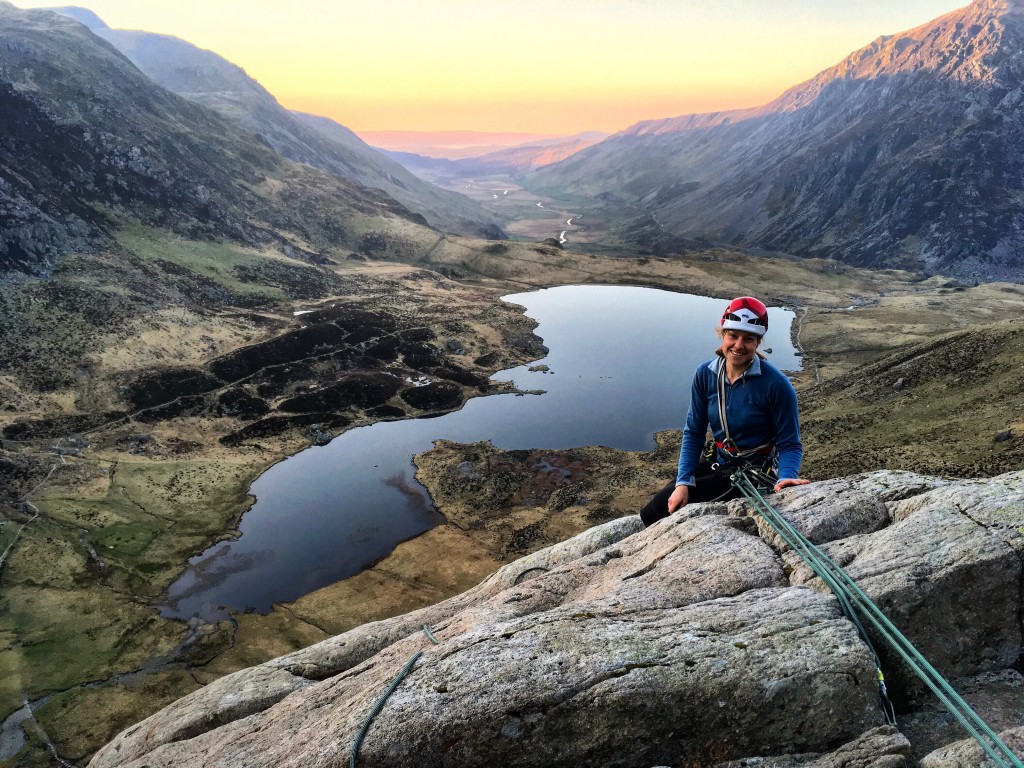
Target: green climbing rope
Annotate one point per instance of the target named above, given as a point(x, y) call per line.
point(379, 706)
point(358, 741)
point(855, 604)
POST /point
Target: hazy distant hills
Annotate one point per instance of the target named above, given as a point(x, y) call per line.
point(444, 167)
point(208, 79)
point(535, 154)
point(88, 142)
point(453, 145)
point(517, 149)
point(909, 152)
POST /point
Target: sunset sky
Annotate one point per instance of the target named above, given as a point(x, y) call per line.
point(525, 65)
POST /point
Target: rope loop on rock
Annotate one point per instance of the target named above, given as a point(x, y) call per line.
point(856, 604)
point(519, 577)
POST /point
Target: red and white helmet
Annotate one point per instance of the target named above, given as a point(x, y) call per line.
point(746, 314)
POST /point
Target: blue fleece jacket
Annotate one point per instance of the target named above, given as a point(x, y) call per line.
point(761, 408)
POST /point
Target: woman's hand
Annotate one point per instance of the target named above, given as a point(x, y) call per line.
point(679, 498)
point(787, 483)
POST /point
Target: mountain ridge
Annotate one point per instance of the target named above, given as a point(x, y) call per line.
point(88, 142)
point(885, 55)
point(205, 77)
point(903, 154)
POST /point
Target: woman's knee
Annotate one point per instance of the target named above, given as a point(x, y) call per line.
point(657, 508)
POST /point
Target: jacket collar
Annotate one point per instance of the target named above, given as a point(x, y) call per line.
point(753, 370)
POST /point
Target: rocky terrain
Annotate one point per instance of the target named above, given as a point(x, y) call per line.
point(136, 437)
point(904, 154)
point(181, 307)
point(700, 641)
point(141, 453)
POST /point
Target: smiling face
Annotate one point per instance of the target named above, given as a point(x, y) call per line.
point(738, 348)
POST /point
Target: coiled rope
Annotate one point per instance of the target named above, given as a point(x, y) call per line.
point(855, 603)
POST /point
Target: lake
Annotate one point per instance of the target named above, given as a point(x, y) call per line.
point(619, 369)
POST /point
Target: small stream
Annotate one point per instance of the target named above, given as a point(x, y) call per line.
point(12, 732)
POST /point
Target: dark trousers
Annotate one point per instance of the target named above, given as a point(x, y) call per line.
point(711, 486)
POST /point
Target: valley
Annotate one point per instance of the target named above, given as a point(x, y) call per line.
point(139, 486)
point(575, 224)
point(197, 283)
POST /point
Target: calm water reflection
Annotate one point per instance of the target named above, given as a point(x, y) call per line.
point(620, 366)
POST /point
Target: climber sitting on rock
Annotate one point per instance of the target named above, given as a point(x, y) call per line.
point(751, 408)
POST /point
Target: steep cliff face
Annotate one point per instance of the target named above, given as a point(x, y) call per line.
point(906, 153)
point(699, 641)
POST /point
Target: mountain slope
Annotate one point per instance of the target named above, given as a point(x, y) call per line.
point(88, 142)
point(443, 208)
point(206, 78)
point(907, 153)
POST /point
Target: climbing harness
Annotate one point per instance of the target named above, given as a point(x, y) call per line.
point(856, 604)
point(358, 741)
point(723, 457)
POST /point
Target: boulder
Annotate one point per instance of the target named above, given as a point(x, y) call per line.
point(968, 753)
point(950, 582)
point(767, 670)
point(882, 747)
point(828, 511)
point(698, 641)
point(997, 697)
point(996, 503)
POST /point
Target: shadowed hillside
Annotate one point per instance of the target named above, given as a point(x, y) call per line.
point(88, 142)
point(907, 154)
point(205, 78)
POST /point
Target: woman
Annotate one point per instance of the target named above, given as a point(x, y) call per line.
point(761, 424)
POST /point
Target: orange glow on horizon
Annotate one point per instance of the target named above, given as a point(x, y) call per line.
point(529, 66)
point(540, 117)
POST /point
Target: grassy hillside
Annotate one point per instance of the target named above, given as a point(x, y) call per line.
point(181, 384)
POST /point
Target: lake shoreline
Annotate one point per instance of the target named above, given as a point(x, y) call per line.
point(836, 339)
point(313, 524)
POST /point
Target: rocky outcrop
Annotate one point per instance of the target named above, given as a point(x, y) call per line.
point(968, 753)
point(697, 642)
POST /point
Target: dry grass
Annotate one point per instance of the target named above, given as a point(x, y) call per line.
point(146, 514)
